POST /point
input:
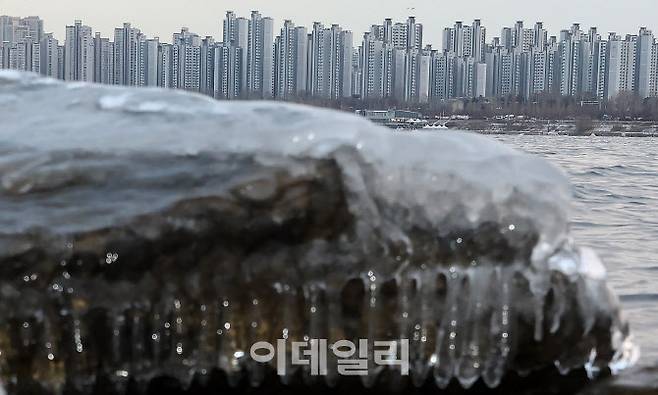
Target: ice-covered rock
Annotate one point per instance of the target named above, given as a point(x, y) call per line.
point(148, 232)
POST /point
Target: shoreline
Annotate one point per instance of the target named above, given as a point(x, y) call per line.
point(536, 127)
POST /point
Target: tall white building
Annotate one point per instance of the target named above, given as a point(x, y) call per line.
point(103, 60)
point(411, 75)
point(653, 80)
point(357, 73)
point(79, 53)
point(300, 58)
point(166, 65)
point(621, 65)
point(207, 66)
point(343, 74)
point(227, 71)
point(602, 73)
point(126, 47)
point(394, 72)
point(372, 66)
point(644, 66)
point(49, 56)
point(148, 62)
point(289, 79)
point(186, 59)
point(318, 61)
point(221, 64)
point(260, 57)
point(424, 68)
point(236, 34)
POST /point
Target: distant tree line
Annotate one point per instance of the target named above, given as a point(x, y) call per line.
point(625, 106)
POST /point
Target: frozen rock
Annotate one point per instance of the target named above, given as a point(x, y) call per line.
point(147, 232)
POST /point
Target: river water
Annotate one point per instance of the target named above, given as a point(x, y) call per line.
point(615, 212)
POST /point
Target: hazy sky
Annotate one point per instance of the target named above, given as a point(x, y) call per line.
point(163, 17)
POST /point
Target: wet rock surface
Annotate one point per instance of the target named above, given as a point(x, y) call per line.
point(149, 238)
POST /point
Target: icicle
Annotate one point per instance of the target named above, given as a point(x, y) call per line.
point(539, 281)
point(371, 313)
point(421, 305)
point(588, 308)
point(449, 331)
point(117, 323)
point(80, 371)
point(179, 357)
point(539, 317)
point(157, 318)
point(559, 305)
point(335, 332)
point(206, 351)
point(593, 371)
point(502, 330)
point(230, 353)
point(407, 312)
point(256, 333)
point(471, 362)
point(120, 367)
point(288, 330)
point(316, 311)
point(139, 361)
point(48, 365)
point(432, 306)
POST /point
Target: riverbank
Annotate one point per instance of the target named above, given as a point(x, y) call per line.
point(539, 127)
point(562, 127)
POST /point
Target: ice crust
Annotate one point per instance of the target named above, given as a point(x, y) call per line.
point(79, 158)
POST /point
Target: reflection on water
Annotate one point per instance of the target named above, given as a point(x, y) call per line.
point(616, 212)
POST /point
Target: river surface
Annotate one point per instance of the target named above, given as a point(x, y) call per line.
point(615, 212)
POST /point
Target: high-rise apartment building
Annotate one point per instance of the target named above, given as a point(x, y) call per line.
point(79, 53)
point(260, 57)
point(127, 45)
point(103, 60)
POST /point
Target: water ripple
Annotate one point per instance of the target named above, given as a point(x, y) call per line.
point(616, 212)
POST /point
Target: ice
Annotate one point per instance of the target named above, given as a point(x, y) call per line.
point(160, 232)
